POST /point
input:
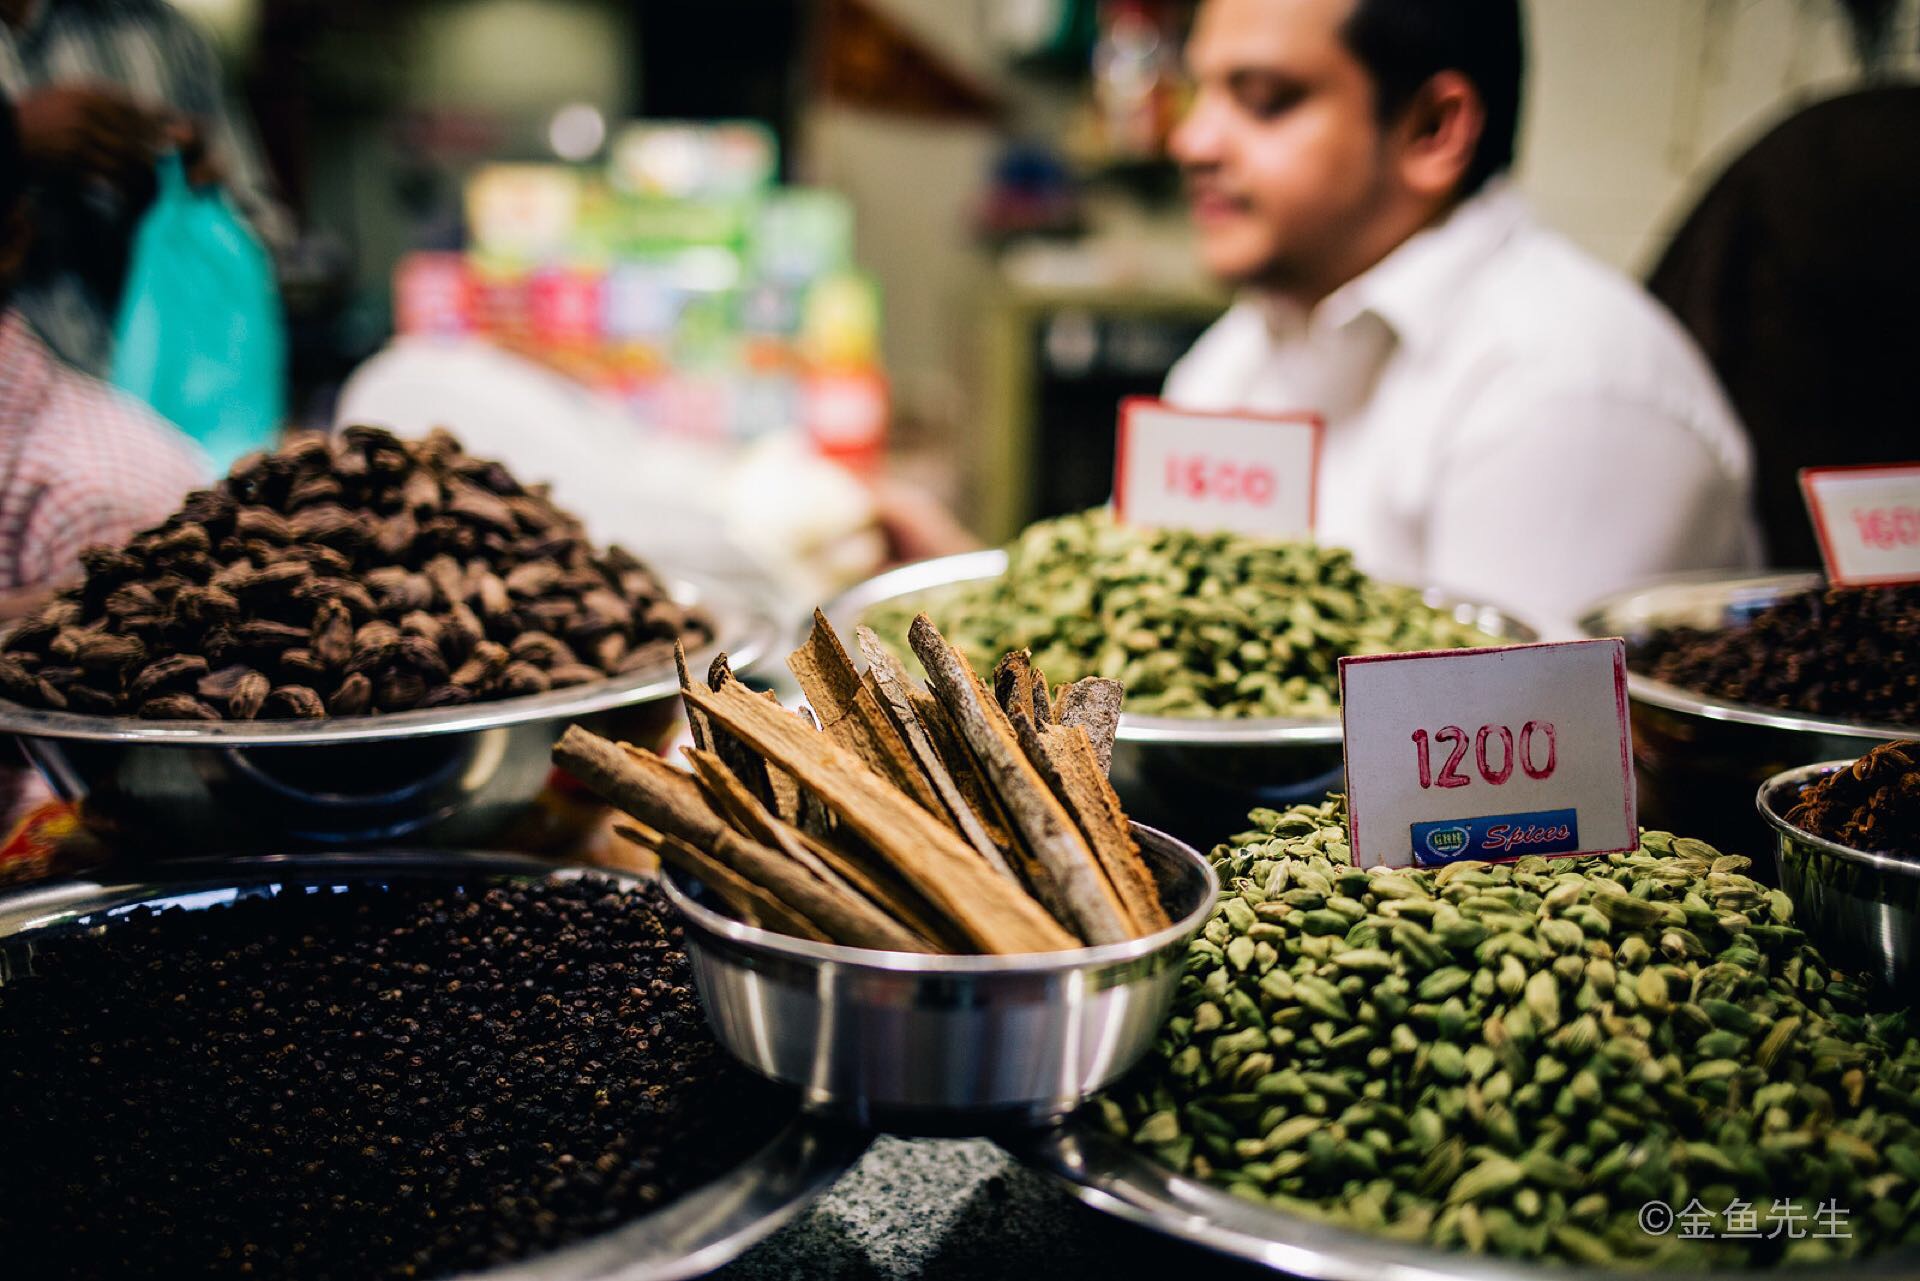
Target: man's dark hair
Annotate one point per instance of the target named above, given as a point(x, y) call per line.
point(1405, 43)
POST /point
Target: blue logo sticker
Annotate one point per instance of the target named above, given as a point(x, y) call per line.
point(1496, 836)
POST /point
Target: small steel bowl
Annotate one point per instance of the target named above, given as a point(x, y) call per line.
point(463, 777)
point(690, 1236)
point(1700, 757)
point(1860, 906)
point(1192, 774)
point(944, 1044)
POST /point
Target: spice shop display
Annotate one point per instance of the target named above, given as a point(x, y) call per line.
point(967, 819)
point(1194, 625)
point(1843, 653)
point(356, 575)
point(1518, 1059)
point(1871, 804)
point(383, 1077)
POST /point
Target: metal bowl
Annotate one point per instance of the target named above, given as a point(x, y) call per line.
point(703, 1229)
point(1195, 775)
point(1112, 1177)
point(1860, 906)
point(459, 776)
point(1700, 757)
point(945, 1044)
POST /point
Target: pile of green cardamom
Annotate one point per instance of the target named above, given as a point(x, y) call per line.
point(1216, 625)
point(1520, 1059)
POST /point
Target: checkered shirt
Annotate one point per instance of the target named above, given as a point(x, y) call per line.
point(80, 463)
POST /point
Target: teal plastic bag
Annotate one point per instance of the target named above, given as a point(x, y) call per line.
point(200, 335)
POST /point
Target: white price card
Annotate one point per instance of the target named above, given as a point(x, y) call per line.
point(1213, 472)
point(1488, 754)
point(1867, 520)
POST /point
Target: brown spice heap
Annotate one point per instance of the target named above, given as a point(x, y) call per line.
point(342, 577)
point(1850, 653)
point(964, 819)
point(401, 1082)
point(1873, 804)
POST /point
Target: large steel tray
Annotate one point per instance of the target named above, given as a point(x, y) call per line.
point(1701, 758)
point(697, 1233)
point(1194, 776)
point(1104, 1173)
point(465, 777)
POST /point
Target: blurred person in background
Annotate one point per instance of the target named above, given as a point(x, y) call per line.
point(100, 88)
point(1505, 416)
point(80, 463)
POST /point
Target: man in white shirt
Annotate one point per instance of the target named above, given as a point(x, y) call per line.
point(1506, 417)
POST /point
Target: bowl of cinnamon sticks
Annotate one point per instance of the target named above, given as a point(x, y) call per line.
point(921, 906)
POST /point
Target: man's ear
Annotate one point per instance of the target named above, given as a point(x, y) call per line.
point(16, 236)
point(1438, 133)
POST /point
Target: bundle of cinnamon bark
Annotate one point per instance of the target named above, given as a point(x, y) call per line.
point(955, 818)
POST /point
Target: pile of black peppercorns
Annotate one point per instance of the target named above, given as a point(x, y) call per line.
point(1850, 653)
point(402, 1082)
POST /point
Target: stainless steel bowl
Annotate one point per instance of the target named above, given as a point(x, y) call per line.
point(1194, 775)
point(945, 1044)
point(1858, 905)
point(690, 1237)
point(1114, 1178)
point(1699, 757)
point(459, 776)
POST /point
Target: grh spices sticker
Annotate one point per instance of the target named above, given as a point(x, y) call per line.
point(1215, 473)
point(1488, 754)
point(1867, 520)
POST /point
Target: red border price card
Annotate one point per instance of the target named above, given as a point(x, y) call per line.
point(1868, 522)
point(1488, 753)
point(1213, 472)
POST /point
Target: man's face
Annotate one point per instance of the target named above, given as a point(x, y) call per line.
point(1281, 148)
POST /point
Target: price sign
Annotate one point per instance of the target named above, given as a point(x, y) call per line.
point(1488, 753)
point(1186, 469)
point(1868, 522)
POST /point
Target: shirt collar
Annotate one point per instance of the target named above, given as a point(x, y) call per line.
point(26, 370)
point(1410, 288)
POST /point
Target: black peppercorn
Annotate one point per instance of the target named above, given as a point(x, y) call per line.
point(296, 1086)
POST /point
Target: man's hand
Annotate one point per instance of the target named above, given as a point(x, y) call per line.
point(77, 130)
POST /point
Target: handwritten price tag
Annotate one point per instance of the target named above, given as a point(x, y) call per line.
point(1245, 473)
point(1488, 753)
point(1868, 522)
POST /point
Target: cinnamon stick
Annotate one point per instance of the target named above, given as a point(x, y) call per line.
point(852, 716)
point(753, 904)
point(1093, 705)
point(1064, 756)
point(994, 915)
point(667, 800)
point(892, 686)
point(1045, 827)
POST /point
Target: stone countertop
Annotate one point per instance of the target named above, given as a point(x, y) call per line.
point(961, 1210)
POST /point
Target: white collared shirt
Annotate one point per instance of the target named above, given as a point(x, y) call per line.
point(1506, 417)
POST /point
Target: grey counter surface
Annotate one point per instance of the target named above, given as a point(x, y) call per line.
point(960, 1210)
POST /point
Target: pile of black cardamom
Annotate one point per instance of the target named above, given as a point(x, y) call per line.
point(401, 1082)
point(1848, 653)
point(345, 576)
